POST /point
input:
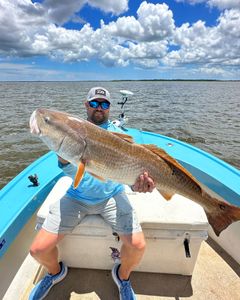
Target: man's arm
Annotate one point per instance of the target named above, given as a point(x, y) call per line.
point(143, 184)
point(62, 161)
point(68, 169)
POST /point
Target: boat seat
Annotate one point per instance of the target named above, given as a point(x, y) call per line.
point(173, 231)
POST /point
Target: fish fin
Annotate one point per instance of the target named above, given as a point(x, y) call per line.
point(125, 137)
point(96, 176)
point(79, 174)
point(166, 195)
point(169, 160)
point(222, 215)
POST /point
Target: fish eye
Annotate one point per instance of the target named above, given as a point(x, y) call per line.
point(47, 119)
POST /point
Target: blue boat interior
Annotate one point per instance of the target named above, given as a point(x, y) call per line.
point(20, 198)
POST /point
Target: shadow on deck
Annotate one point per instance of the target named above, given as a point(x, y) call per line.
point(84, 281)
point(215, 277)
point(225, 256)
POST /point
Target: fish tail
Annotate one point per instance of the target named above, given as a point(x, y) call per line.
point(223, 215)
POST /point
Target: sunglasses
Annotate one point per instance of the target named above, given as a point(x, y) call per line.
point(95, 104)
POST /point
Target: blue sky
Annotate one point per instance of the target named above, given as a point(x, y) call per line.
point(113, 40)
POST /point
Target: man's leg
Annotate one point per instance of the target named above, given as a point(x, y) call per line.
point(131, 253)
point(64, 215)
point(62, 218)
point(119, 213)
point(44, 250)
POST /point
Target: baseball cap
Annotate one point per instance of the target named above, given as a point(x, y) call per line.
point(98, 93)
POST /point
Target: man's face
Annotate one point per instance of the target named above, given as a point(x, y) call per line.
point(97, 115)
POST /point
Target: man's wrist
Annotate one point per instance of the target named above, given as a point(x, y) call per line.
point(62, 164)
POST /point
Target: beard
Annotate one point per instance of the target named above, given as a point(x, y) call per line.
point(98, 117)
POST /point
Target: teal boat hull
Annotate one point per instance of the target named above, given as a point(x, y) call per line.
point(19, 199)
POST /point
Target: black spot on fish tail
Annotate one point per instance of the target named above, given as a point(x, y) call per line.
point(222, 206)
point(222, 215)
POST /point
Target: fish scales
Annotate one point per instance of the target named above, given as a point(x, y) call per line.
point(114, 153)
point(123, 162)
point(116, 157)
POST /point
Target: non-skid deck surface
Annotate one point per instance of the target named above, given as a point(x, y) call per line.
point(216, 276)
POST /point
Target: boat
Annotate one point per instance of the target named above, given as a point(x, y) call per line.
point(193, 261)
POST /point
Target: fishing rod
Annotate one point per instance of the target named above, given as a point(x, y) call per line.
point(122, 120)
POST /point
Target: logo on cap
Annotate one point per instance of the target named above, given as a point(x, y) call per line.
point(100, 92)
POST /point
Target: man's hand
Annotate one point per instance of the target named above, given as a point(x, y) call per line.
point(143, 184)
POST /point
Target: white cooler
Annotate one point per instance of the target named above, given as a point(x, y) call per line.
point(173, 231)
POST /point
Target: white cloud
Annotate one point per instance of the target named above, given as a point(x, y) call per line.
point(62, 11)
point(157, 20)
point(229, 24)
point(220, 4)
point(154, 22)
point(147, 63)
point(148, 40)
point(216, 72)
point(126, 27)
point(115, 7)
point(151, 50)
point(224, 4)
point(201, 44)
point(192, 2)
point(212, 70)
point(106, 44)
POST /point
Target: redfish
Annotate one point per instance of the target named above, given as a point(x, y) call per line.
point(114, 156)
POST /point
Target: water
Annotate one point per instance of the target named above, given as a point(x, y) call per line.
point(204, 114)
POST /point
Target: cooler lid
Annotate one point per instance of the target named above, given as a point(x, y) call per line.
point(153, 211)
point(57, 192)
point(179, 213)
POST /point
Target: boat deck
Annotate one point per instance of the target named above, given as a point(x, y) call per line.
point(216, 276)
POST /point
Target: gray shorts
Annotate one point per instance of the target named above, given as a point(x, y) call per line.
point(65, 214)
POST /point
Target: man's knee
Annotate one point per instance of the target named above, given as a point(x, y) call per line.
point(139, 244)
point(38, 249)
point(44, 242)
point(135, 241)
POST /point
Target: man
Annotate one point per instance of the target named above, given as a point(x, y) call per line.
point(92, 196)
